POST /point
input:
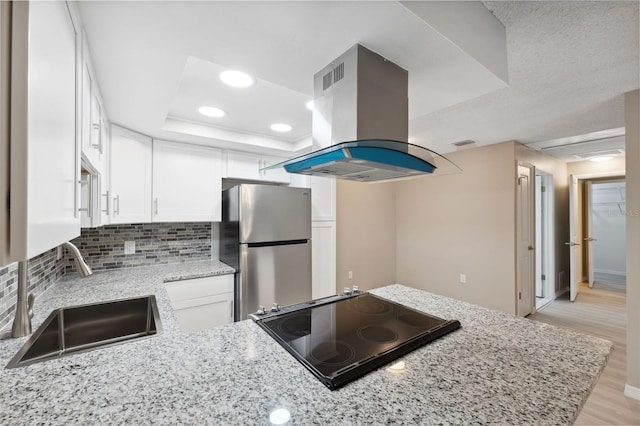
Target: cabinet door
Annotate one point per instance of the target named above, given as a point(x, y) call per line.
point(105, 179)
point(45, 166)
point(204, 313)
point(242, 165)
point(130, 165)
point(187, 184)
point(323, 198)
point(202, 303)
point(279, 175)
point(87, 84)
point(323, 259)
point(96, 122)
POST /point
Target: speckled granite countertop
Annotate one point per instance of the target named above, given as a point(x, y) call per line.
point(496, 369)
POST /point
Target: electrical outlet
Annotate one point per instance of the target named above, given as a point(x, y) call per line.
point(463, 278)
point(129, 247)
point(350, 275)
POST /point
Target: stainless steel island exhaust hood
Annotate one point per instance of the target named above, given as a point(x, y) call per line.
point(360, 124)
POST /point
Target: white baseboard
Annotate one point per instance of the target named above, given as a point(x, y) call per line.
point(632, 392)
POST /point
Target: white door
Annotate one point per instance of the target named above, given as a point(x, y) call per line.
point(588, 240)
point(525, 235)
point(573, 237)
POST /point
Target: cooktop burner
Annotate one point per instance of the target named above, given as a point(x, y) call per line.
point(341, 338)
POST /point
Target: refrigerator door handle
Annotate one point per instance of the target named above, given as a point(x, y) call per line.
point(277, 243)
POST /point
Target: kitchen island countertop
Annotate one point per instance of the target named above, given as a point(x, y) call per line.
point(497, 368)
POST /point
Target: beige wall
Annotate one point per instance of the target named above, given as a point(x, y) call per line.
point(558, 169)
point(461, 224)
point(366, 234)
point(632, 123)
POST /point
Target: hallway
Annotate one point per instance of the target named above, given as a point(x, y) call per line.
point(599, 311)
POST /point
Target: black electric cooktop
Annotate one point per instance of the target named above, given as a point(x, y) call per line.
point(341, 338)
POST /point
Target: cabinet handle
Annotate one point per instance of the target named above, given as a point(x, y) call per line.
point(106, 202)
point(231, 309)
point(116, 202)
point(155, 206)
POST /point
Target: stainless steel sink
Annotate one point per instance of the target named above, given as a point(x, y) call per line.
point(87, 327)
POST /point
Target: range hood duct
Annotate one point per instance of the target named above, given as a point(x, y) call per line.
point(360, 124)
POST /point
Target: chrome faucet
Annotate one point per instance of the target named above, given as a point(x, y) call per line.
point(83, 269)
point(24, 304)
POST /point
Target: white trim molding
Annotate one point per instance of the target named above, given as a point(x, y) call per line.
point(631, 392)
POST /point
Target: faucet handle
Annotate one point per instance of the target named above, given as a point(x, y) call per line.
point(30, 301)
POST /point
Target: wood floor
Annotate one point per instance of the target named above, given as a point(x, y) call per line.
point(599, 311)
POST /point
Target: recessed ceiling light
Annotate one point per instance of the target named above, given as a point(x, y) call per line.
point(236, 78)
point(310, 105)
point(281, 127)
point(210, 111)
point(601, 158)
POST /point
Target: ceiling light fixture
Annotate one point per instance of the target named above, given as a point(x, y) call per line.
point(210, 111)
point(601, 158)
point(236, 78)
point(309, 105)
point(281, 127)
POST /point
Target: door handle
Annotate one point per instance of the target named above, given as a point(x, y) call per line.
point(571, 243)
point(531, 248)
point(590, 239)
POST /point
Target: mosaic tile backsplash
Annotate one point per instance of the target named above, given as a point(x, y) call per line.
point(156, 243)
point(43, 271)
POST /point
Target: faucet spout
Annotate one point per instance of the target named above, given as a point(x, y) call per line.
point(83, 269)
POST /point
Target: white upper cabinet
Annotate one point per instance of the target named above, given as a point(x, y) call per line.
point(275, 175)
point(130, 169)
point(44, 157)
point(187, 183)
point(243, 165)
point(247, 166)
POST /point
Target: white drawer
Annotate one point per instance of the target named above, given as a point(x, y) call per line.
point(199, 287)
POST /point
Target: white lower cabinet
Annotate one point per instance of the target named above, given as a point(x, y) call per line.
point(202, 303)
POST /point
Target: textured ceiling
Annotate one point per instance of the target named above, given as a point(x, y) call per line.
point(570, 64)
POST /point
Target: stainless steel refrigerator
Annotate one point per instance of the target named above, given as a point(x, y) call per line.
point(266, 236)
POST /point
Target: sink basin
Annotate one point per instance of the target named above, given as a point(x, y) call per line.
point(87, 327)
